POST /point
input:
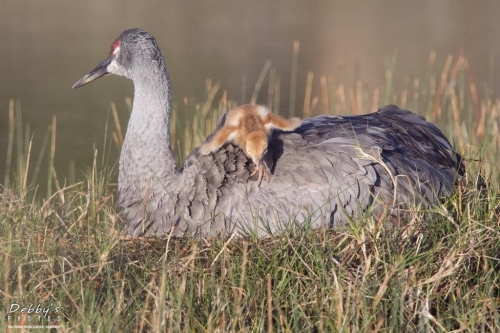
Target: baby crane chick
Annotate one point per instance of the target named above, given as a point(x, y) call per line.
point(249, 126)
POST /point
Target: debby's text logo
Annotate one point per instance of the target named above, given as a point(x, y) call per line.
point(33, 313)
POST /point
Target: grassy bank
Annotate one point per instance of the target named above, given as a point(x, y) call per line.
point(64, 249)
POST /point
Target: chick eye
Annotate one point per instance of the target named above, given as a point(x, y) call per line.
point(248, 150)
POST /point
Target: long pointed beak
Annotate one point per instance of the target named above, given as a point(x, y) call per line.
point(100, 71)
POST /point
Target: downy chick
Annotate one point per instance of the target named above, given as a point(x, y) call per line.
point(249, 126)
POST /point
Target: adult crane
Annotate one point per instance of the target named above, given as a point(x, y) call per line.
point(328, 170)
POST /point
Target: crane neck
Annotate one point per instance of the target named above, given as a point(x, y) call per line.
point(146, 151)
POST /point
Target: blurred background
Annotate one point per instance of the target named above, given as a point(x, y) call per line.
point(359, 47)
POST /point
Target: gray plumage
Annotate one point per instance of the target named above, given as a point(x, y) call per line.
point(329, 169)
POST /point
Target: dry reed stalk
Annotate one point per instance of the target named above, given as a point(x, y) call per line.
point(461, 99)
point(208, 87)
point(210, 98)
point(376, 99)
point(436, 109)
point(223, 100)
point(352, 100)
point(359, 96)
point(10, 143)
point(243, 268)
point(416, 85)
point(324, 94)
point(454, 73)
point(432, 94)
point(196, 138)
point(7, 247)
point(472, 85)
point(456, 120)
point(331, 94)
point(457, 66)
point(432, 58)
point(260, 81)
point(224, 266)
point(19, 139)
point(128, 102)
point(306, 113)
point(382, 289)
point(321, 324)
point(339, 301)
point(186, 105)
point(208, 123)
point(187, 138)
point(340, 93)
point(39, 243)
point(293, 83)
point(244, 89)
point(404, 98)
point(59, 191)
point(26, 156)
point(380, 322)
point(92, 189)
point(159, 315)
point(314, 102)
point(20, 281)
point(494, 118)
point(214, 122)
point(448, 267)
point(117, 123)
point(277, 87)
point(240, 288)
point(269, 305)
point(26, 167)
point(179, 149)
point(270, 90)
point(146, 305)
point(53, 130)
point(283, 320)
point(115, 139)
point(482, 121)
point(460, 202)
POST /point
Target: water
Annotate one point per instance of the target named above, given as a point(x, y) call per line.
point(45, 46)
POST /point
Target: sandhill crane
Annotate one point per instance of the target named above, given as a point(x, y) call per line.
point(329, 169)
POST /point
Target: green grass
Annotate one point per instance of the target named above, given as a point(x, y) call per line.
point(439, 273)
